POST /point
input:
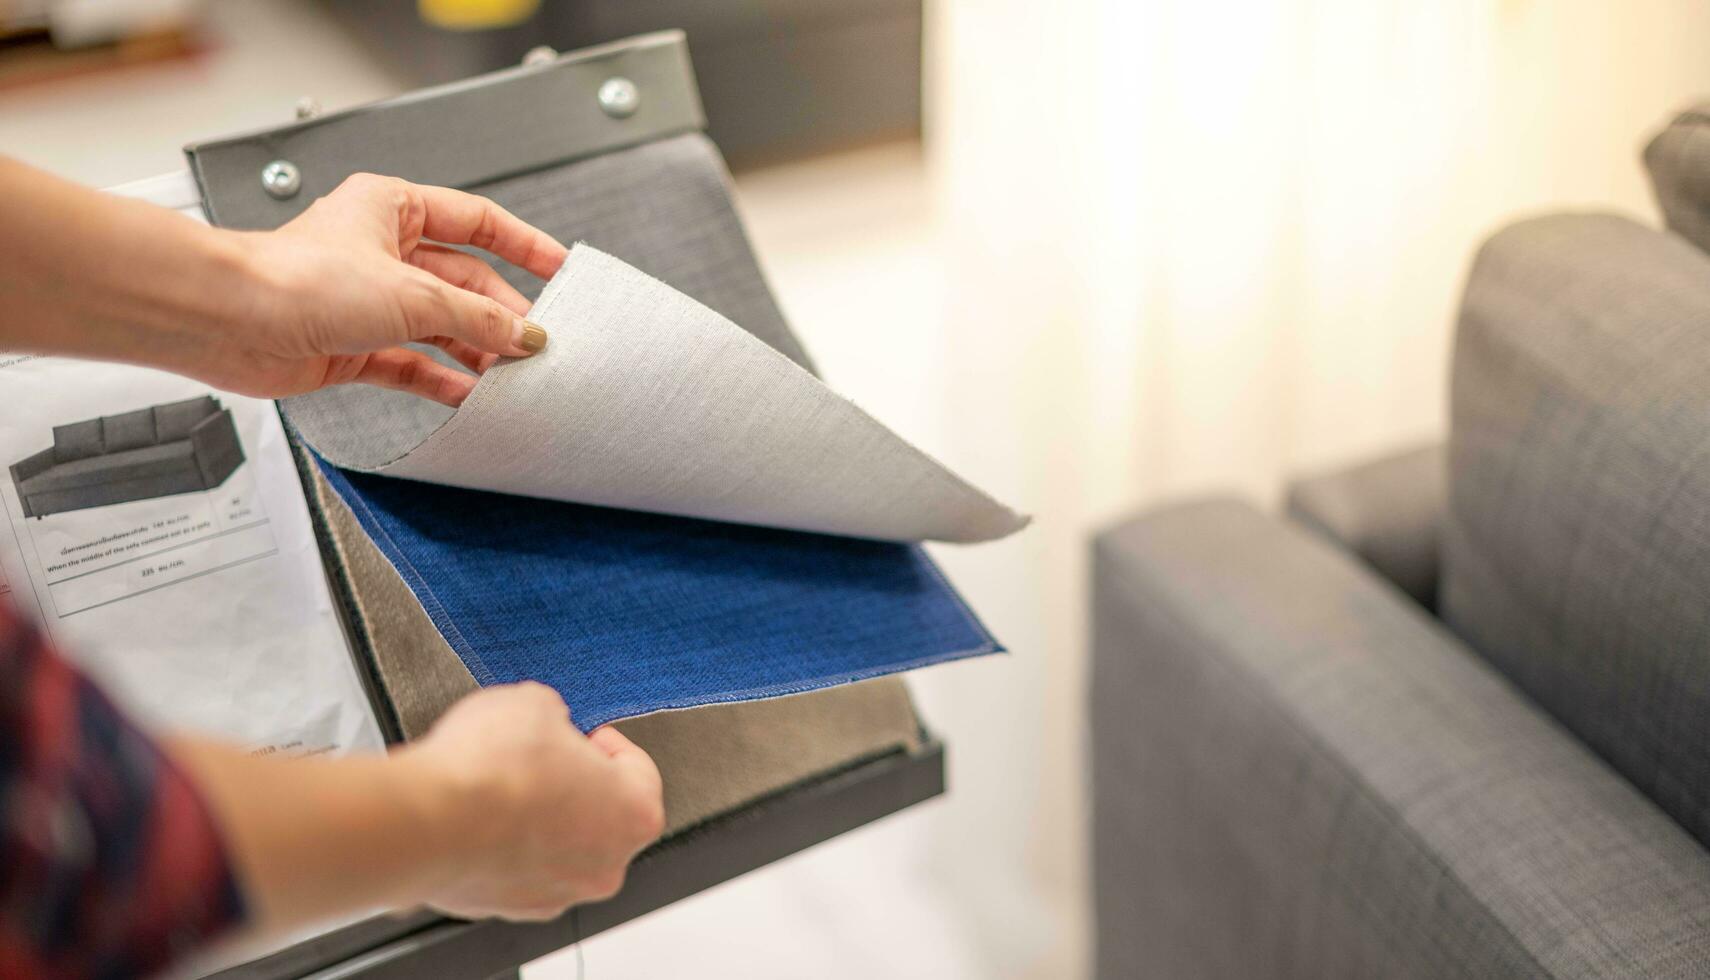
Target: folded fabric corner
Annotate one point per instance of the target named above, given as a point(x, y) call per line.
point(647, 400)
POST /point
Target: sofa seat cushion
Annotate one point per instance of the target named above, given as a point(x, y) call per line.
point(1577, 543)
point(137, 464)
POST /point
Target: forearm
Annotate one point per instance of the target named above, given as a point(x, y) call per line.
point(88, 274)
point(317, 838)
point(502, 809)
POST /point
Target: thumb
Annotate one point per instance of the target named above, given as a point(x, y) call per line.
point(629, 758)
point(477, 320)
point(613, 743)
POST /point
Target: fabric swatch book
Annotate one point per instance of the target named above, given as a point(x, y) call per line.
point(666, 507)
point(659, 511)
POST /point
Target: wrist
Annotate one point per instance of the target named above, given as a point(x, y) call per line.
point(445, 805)
point(168, 303)
point(215, 280)
point(231, 281)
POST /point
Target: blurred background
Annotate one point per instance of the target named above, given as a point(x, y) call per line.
point(1093, 254)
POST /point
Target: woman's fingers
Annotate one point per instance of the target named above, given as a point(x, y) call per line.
point(636, 765)
point(465, 219)
point(470, 357)
point(465, 271)
point(416, 373)
point(612, 742)
point(468, 273)
point(439, 309)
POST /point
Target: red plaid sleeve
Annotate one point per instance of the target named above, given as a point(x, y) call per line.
point(110, 863)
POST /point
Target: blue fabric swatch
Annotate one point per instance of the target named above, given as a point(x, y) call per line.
point(624, 613)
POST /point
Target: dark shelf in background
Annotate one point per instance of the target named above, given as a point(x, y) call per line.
point(781, 79)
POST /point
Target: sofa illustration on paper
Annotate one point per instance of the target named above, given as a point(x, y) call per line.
point(181, 447)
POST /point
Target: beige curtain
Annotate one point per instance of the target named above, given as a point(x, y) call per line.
point(1189, 247)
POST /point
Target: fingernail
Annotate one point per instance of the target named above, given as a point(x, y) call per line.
point(531, 336)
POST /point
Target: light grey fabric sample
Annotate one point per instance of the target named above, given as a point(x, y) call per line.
point(1577, 547)
point(1297, 773)
point(663, 207)
point(1678, 159)
point(648, 400)
point(713, 760)
point(1389, 512)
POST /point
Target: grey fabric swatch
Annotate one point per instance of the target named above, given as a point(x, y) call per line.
point(622, 411)
point(1577, 548)
point(1297, 773)
point(664, 208)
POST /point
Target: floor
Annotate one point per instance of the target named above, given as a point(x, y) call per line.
point(858, 273)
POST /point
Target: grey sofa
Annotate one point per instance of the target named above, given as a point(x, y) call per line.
point(152, 452)
point(1451, 715)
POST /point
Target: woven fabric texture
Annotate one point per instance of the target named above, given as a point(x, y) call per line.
point(1297, 773)
point(625, 612)
point(1577, 547)
point(713, 759)
point(649, 400)
point(1389, 512)
point(663, 207)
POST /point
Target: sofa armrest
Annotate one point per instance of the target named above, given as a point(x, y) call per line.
point(28, 467)
point(34, 465)
point(218, 449)
point(1297, 772)
point(1389, 512)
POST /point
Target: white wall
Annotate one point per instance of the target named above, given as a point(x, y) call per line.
point(1201, 246)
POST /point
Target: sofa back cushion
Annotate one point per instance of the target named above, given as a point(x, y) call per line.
point(174, 421)
point(1678, 159)
point(132, 430)
point(79, 440)
point(1577, 542)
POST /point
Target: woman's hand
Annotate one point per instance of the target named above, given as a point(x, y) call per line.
point(366, 269)
point(503, 808)
point(327, 299)
point(541, 816)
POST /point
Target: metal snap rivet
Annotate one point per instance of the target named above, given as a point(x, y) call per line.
point(540, 55)
point(619, 97)
point(308, 107)
point(281, 180)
